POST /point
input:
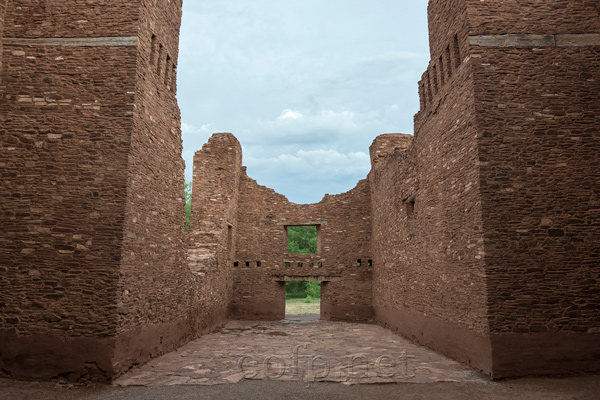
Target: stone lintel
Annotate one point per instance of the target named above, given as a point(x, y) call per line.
point(72, 42)
point(301, 223)
point(317, 278)
point(517, 40)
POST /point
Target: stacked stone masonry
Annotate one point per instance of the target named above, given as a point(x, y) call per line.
point(478, 236)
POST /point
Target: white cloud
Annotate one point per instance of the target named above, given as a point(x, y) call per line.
point(191, 129)
point(313, 165)
point(304, 176)
point(303, 85)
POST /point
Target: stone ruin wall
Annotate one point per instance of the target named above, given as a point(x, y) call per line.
point(61, 241)
point(537, 104)
point(263, 264)
point(213, 226)
point(429, 279)
point(505, 162)
point(97, 273)
point(92, 176)
point(2, 14)
point(155, 294)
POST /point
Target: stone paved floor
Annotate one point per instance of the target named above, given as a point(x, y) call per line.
point(299, 350)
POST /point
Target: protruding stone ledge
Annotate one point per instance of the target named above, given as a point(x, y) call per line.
point(73, 42)
point(318, 278)
point(517, 40)
point(301, 223)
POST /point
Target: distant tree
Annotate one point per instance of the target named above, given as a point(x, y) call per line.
point(187, 189)
point(302, 239)
point(313, 289)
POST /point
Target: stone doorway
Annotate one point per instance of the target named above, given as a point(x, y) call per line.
point(303, 300)
point(325, 300)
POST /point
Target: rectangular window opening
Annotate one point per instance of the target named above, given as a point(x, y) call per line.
point(167, 69)
point(358, 262)
point(448, 61)
point(311, 265)
point(428, 84)
point(173, 77)
point(287, 264)
point(258, 264)
point(410, 209)
point(236, 264)
point(299, 265)
point(370, 263)
point(159, 60)
point(153, 50)
point(247, 263)
point(302, 239)
point(320, 265)
point(303, 298)
point(442, 71)
point(457, 60)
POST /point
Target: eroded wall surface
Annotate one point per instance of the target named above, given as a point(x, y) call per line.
point(213, 226)
point(429, 279)
point(537, 98)
point(491, 254)
point(155, 287)
point(93, 270)
point(263, 264)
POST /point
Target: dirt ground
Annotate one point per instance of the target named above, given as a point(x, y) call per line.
point(299, 307)
point(574, 388)
point(300, 350)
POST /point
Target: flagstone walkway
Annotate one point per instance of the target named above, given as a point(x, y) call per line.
point(299, 350)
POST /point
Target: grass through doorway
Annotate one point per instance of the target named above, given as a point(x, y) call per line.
point(302, 298)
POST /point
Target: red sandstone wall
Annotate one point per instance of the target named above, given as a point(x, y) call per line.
point(2, 12)
point(155, 285)
point(65, 137)
point(93, 277)
point(539, 146)
point(217, 170)
point(547, 17)
point(259, 291)
point(429, 279)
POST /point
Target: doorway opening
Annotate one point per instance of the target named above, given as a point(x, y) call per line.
point(303, 299)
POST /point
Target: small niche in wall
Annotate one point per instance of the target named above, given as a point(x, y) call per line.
point(410, 210)
point(247, 263)
point(409, 204)
point(311, 265)
point(370, 263)
point(258, 264)
point(456, 48)
point(153, 50)
point(288, 265)
point(236, 264)
point(320, 265)
point(358, 262)
point(299, 265)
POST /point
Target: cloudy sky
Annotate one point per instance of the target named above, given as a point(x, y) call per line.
point(305, 85)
